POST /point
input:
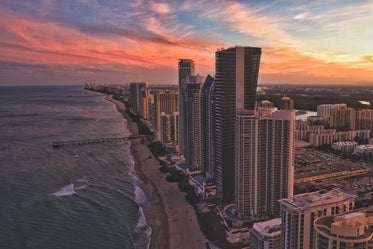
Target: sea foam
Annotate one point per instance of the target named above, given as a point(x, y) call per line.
point(66, 190)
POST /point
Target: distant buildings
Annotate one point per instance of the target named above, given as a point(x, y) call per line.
point(285, 103)
point(264, 161)
point(325, 110)
point(266, 235)
point(235, 89)
point(343, 118)
point(299, 213)
point(331, 136)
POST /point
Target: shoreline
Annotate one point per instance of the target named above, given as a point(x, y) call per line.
point(172, 219)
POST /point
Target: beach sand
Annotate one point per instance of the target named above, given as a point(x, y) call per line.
point(173, 221)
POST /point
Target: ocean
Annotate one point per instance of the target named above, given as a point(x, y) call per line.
point(74, 196)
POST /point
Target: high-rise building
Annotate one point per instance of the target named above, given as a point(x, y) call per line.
point(170, 130)
point(324, 110)
point(192, 142)
point(235, 89)
point(138, 91)
point(264, 161)
point(364, 119)
point(208, 127)
point(186, 68)
point(343, 118)
point(266, 235)
point(164, 101)
point(352, 230)
point(285, 103)
point(298, 214)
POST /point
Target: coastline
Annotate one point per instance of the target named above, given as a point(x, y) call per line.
point(173, 221)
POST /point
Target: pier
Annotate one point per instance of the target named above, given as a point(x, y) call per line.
point(96, 140)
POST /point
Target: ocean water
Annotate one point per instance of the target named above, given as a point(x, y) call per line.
point(75, 196)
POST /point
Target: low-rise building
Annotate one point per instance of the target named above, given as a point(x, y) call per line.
point(347, 146)
point(266, 235)
point(352, 230)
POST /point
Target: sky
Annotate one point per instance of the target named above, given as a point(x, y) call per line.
point(119, 41)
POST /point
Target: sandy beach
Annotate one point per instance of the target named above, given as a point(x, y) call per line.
point(173, 221)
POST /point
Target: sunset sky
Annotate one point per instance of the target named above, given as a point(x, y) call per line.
point(105, 41)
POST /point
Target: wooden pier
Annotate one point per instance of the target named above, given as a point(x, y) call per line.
point(96, 140)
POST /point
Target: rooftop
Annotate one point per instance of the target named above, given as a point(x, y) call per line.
point(318, 198)
point(269, 227)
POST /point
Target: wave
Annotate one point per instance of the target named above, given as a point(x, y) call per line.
point(142, 232)
point(66, 190)
point(70, 189)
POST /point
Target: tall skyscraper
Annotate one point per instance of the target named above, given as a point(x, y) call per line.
point(186, 68)
point(208, 127)
point(192, 142)
point(264, 161)
point(138, 91)
point(235, 89)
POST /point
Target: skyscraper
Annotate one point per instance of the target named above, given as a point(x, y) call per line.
point(235, 88)
point(208, 127)
point(186, 68)
point(192, 142)
point(164, 101)
point(264, 161)
point(138, 91)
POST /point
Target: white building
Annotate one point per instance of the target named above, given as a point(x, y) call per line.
point(325, 110)
point(266, 235)
point(264, 161)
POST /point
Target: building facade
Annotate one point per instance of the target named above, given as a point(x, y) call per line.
point(186, 68)
point(208, 127)
point(299, 213)
point(235, 89)
point(343, 118)
point(264, 162)
point(192, 142)
point(170, 130)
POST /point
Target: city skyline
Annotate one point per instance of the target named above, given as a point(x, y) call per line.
point(72, 42)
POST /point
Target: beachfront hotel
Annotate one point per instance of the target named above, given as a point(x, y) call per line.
point(264, 161)
point(236, 79)
point(186, 68)
point(298, 214)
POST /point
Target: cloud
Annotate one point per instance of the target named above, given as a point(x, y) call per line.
point(161, 8)
point(301, 16)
